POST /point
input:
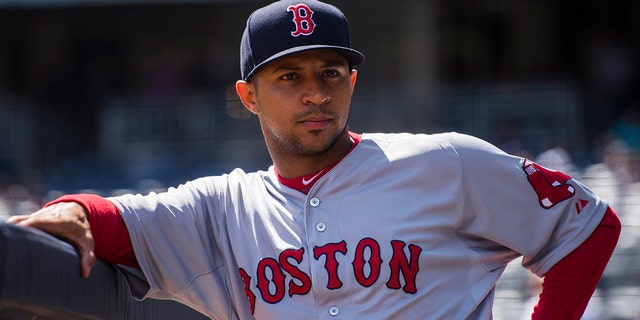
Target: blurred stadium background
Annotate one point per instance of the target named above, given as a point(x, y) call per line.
point(112, 96)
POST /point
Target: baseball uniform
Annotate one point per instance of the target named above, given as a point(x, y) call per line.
point(404, 227)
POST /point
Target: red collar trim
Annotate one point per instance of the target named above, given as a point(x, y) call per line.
point(304, 183)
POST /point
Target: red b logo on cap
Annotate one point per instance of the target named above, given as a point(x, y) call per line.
point(302, 19)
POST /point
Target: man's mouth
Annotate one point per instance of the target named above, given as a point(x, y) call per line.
point(315, 123)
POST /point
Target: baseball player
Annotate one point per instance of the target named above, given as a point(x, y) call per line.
point(344, 225)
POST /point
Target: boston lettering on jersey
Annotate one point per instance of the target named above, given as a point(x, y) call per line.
point(277, 277)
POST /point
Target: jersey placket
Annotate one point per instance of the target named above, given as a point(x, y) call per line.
point(325, 252)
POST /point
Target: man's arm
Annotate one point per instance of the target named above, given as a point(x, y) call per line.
point(90, 223)
point(569, 284)
point(110, 234)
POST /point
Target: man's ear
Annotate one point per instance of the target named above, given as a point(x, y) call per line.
point(354, 76)
point(247, 93)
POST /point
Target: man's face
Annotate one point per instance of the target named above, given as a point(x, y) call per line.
point(303, 101)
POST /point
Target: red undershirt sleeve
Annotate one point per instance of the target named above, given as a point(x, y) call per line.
point(568, 285)
point(110, 234)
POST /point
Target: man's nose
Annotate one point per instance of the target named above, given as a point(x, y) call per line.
point(316, 93)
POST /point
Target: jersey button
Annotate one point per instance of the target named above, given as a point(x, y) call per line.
point(314, 202)
point(334, 311)
point(321, 226)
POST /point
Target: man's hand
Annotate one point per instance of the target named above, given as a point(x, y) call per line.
point(67, 221)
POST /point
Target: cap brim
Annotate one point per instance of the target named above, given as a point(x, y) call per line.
point(354, 57)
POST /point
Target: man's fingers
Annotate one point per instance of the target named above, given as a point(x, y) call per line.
point(17, 219)
point(44, 223)
point(85, 247)
point(87, 261)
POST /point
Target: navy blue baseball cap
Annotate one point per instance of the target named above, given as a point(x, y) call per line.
point(287, 26)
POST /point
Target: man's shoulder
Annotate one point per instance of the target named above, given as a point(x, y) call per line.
point(239, 174)
point(236, 178)
point(450, 138)
point(459, 143)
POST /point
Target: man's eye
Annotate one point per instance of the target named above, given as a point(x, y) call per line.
point(289, 76)
point(332, 73)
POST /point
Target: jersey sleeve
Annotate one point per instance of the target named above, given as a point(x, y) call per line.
point(174, 235)
point(518, 207)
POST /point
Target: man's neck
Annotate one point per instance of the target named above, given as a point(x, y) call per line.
point(303, 166)
point(303, 183)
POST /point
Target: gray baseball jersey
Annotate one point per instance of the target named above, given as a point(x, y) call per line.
point(404, 227)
